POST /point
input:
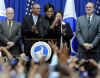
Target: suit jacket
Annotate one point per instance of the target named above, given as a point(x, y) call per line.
point(41, 25)
point(14, 36)
point(88, 33)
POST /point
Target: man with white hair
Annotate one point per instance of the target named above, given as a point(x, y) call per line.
point(88, 34)
point(10, 32)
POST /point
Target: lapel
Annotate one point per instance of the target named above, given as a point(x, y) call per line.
point(13, 26)
point(5, 26)
point(93, 20)
point(85, 23)
point(38, 21)
point(85, 20)
point(92, 23)
point(32, 21)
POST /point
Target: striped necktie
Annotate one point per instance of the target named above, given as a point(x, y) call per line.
point(89, 21)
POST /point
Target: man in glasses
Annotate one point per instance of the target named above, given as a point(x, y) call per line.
point(10, 33)
point(34, 26)
point(88, 34)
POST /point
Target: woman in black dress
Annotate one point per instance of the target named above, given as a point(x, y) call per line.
point(63, 29)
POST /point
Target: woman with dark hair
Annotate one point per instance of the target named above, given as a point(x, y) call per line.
point(49, 13)
point(49, 16)
point(55, 23)
point(63, 29)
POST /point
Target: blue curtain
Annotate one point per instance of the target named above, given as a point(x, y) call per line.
point(20, 5)
point(80, 6)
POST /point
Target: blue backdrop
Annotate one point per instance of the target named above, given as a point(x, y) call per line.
point(20, 5)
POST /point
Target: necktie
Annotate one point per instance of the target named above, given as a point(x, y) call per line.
point(89, 21)
point(9, 27)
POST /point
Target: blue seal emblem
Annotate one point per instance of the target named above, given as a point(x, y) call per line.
point(40, 49)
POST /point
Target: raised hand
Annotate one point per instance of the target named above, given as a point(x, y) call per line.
point(63, 54)
point(53, 46)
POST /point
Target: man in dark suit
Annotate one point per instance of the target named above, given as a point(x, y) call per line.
point(88, 34)
point(10, 33)
point(33, 26)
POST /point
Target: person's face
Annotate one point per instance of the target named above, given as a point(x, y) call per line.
point(59, 16)
point(10, 13)
point(36, 9)
point(49, 13)
point(89, 8)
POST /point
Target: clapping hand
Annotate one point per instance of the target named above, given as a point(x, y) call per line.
point(34, 29)
point(88, 46)
point(10, 44)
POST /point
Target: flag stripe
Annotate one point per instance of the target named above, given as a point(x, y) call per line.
point(69, 10)
point(70, 17)
point(2, 10)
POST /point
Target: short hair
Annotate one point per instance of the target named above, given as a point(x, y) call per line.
point(35, 4)
point(92, 4)
point(59, 11)
point(47, 6)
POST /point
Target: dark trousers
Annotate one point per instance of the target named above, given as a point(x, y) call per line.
point(90, 54)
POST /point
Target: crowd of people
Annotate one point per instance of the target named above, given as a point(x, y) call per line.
point(59, 67)
point(17, 39)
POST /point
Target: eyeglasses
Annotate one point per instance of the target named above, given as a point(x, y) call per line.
point(50, 11)
point(36, 8)
point(10, 13)
point(89, 7)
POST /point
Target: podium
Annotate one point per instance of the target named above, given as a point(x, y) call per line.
point(40, 39)
point(28, 42)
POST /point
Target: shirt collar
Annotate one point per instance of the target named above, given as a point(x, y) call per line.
point(11, 22)
point(90, 16)
point(34, 16)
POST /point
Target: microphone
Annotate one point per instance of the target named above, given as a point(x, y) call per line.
point(63, 25)
point(59, 21)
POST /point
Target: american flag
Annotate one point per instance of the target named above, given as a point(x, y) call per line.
point(29, 7)
point(98, 7)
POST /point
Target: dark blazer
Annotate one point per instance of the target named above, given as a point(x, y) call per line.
point(88, 33)
point(51, 33)
point(14, 36)
point(50, 20)
point(41, 25)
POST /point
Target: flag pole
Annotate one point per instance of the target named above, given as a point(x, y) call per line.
point(61, 38)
